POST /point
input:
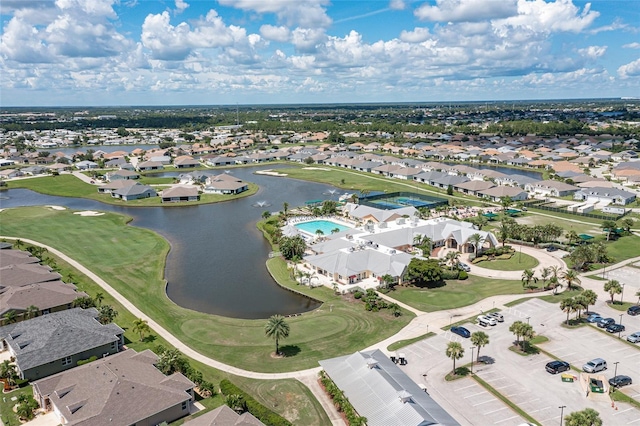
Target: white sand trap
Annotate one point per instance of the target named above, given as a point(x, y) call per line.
point(270, 173)
point(89, 213)
point(57, 207)
point(316, 168)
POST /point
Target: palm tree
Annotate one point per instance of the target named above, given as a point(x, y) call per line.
point(503, 231)
point(572, 236)
point(9, 372)
point(612, 287)
point(236, 403)
point(266, 214)
point(545, 273)
point(141, 327)
point(527, 277)
point(454, 351)
point(285, 208)
point(452, 258)
point(567, 306)
point(506, 202)
point(31, 312)
point(477, 240)
point(10, 317)
point(580, 303)
point(570, 276)
point(590, 298)
point(18, 244)
point(609, 226)
point(479, 339)
point(106, 314)
point(395, 309)
point(527, 334)
point(517, 328)
point(99, 297)
point(277, 328)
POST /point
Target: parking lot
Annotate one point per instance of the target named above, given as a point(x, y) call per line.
point(523, 379)
point(627, 275)
point(466, 400)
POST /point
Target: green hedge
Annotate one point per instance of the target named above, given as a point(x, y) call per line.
point(86, 361)
point(261, 412)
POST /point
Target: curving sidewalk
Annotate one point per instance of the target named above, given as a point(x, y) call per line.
point(307, 377)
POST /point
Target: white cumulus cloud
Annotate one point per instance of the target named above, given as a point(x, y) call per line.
point(593, 52)
point(632, 69)
point(634, 45)
point(466, 10)
point(181, 5)
point(273, 33)
point(307, 14)
point(418, 35)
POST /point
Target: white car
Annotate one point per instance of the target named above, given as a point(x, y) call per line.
point(484, 320)
point(634, 338)
point(497, 316)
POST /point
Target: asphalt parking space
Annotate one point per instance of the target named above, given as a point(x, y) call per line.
point(468, 402)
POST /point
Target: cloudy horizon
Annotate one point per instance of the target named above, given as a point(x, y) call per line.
point(181, 52)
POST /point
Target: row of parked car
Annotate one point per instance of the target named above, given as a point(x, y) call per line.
point(491, 319)
point(591, 367)
point(609, 324)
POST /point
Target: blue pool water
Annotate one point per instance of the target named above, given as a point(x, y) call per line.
point(326, 226)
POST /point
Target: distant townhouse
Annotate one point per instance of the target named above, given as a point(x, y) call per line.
point(52, 343)
point(122, 175)
point(473, 187)
point(550, 188)
point(185, 161)
point(17, 275)
point(225, 184)
point(605, 195)
point(122, 389)
point(224, 415)
point(86, 165)
point(47, 297)
point(220, 161)
point(146, 166)
point(136, 191)
point(498, 192)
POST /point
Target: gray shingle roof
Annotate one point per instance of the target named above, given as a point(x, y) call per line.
point(375, 392)
point(224, 416)
point(54, 336)
point(16, 257)
point(121, 389)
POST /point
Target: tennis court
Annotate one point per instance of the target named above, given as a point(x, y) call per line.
point(398, 200)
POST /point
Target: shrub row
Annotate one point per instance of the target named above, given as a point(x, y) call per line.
point(86, 361)
point(261, 412)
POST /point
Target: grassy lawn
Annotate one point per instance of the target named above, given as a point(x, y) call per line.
point(7, 416)
point(402, 343)
point(71, 186)
point(455, 294)
point(624, 248)
point(517, 262)
point(132, 260)
point(299, 408)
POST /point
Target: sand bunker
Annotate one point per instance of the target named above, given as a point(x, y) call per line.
point(57, 207)
point(270, 173)
point(89, 213)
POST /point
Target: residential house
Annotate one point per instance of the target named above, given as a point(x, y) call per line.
point(122, 389)
point(605, 195)
point(10, 173)
point(136, 191)
point(473, 186)
point(497, 192)
point(48, 297)
point(17, 275)
point(109, 187)
point(52, 343)
point(224, 415)
point(382, 393)
point(225, 184)
point(16, 257)
point(185, 161)
point(220, 161)
point(180, 193)
point(145, 166)
point(86, 165)
point(550, 188)
point(122, 175)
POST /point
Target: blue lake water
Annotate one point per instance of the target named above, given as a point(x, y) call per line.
point(217, 259)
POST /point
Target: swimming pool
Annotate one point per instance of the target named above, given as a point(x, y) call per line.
point(326, 226)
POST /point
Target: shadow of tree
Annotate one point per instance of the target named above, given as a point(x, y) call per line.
point(289, 350)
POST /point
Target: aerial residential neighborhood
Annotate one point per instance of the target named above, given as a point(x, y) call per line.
point(417, 275)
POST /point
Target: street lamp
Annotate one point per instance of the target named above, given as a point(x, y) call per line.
point(615, 371)
point(528, 320)
point(620, 329)
point(622, 294)
point(562, 407)
point(472, 348)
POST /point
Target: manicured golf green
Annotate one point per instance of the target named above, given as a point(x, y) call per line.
point(517, 262)
point(455, 294)
point(132, 260)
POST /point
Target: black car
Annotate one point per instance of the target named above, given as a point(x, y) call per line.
point(461, 331)
point(552, 248)
point(633, 310)
point(605, 322)
point(555, 367)
point(618, 381)
point(615, 328)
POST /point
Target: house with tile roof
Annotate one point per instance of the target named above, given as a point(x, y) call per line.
point(52, 343)
point(47, 297)
point(122, 389)
point(605, 195)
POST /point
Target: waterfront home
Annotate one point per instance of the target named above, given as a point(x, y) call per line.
point(86, 165)
point(224, 184)
point(382, 393)
point(109, 187)
point(122, 389)
point(17, 275)
point(122, 175)
point(10, 173)
point(136, 191)
point(48, 297)
point(220, 161)
point(145, 166)
point(180, 193)
point(185, 161)
point(52, 343)
point(497, 192)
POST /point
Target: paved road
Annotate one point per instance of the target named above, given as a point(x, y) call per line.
point(423, 323)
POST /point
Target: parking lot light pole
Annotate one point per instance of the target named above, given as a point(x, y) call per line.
point(620, 330)
point(615, 370)
point(528, 320)
point(562, 407)
point(622, 294)
point(472, 348)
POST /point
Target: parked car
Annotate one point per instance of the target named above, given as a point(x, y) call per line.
point(620, 380)
point(461, 331)
point(634, 338)
point(605, 322)
point(594, 318)
point(497, 316)
point(464, 267)
point(633, 310)
point(484, 320)
point(615, 328)
point(595, 365)
point(555, 367)
point(552, 248)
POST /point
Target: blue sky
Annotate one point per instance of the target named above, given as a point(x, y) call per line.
point(181, 52)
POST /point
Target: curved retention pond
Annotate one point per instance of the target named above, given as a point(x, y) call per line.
point(217, 259)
